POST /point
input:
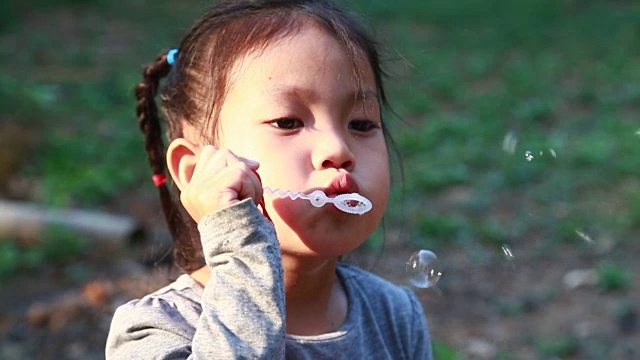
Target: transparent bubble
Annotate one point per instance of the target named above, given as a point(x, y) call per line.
point(529, 155)
point(584, 236)
point(423, 269)
point(509, 142)
point(506, 250)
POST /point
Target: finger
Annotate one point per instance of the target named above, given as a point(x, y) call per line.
point(204, 159)
point(231, 157)
point(212, 161)
point(207, 152)
point(225, 157)
point(253, 164)
point(250, 185)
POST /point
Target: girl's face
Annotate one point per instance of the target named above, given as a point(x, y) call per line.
point(297, 109)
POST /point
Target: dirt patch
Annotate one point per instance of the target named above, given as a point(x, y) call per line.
point(483, 309)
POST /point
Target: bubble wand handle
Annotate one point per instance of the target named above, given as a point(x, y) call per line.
point(352, 203)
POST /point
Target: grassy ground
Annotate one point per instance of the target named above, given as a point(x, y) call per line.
point(517, 121)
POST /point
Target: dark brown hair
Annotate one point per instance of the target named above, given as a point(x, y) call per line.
point(197, 82)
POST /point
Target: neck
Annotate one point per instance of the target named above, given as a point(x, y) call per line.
point(308, 278)
point(316, 301)
point(304, 278)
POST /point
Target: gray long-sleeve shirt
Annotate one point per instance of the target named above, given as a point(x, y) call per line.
point(240, 314)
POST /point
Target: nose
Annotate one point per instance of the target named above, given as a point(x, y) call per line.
point(332, 150)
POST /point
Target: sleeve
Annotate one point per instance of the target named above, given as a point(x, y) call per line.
point(243, 309)
point(420, 330)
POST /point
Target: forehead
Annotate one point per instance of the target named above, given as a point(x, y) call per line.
point(309, 52)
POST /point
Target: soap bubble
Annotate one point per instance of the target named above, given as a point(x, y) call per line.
point(423, 269)
point(506, 250)
point(509, 143)
point(584, 236)
point(529, 155)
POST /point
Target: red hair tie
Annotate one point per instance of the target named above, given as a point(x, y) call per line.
point(159, 179)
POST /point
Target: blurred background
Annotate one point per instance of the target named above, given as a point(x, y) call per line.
point(518, 125)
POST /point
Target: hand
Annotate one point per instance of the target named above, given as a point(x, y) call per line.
point(220, 179)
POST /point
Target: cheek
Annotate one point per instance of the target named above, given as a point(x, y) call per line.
point(282, 169)
point(377, 176)
point(290, 212)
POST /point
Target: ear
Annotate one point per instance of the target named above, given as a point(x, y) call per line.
point(182, 156)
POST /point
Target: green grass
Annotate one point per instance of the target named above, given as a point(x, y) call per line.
point(444, 351)
point(473, 72)
point(57, 246)
point(80, 91)
point(537, 69)
point(558, 347)
point(612, 277)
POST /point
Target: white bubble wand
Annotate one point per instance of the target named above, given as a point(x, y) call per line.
point(352, 203)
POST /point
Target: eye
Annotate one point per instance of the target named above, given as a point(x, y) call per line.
point(286, 123)
point(363, 125)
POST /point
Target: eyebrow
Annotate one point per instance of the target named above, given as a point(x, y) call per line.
point(360, 95)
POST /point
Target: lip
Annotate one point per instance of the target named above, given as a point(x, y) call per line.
point(342, 184)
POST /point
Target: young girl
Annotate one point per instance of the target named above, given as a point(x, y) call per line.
point(292, 91)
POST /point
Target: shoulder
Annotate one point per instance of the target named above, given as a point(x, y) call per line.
point(176, 303)
point(159, 325)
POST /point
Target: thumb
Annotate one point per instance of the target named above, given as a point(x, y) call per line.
point(253, 164)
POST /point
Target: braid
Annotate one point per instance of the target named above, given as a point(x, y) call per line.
point(188, 250)
point(148, 112)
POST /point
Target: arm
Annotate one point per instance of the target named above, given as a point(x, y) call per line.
point(242, 305)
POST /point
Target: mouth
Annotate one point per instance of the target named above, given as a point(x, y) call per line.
point(342, 184)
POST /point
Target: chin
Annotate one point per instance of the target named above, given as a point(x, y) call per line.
point(325, 232)
point(308, 242)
